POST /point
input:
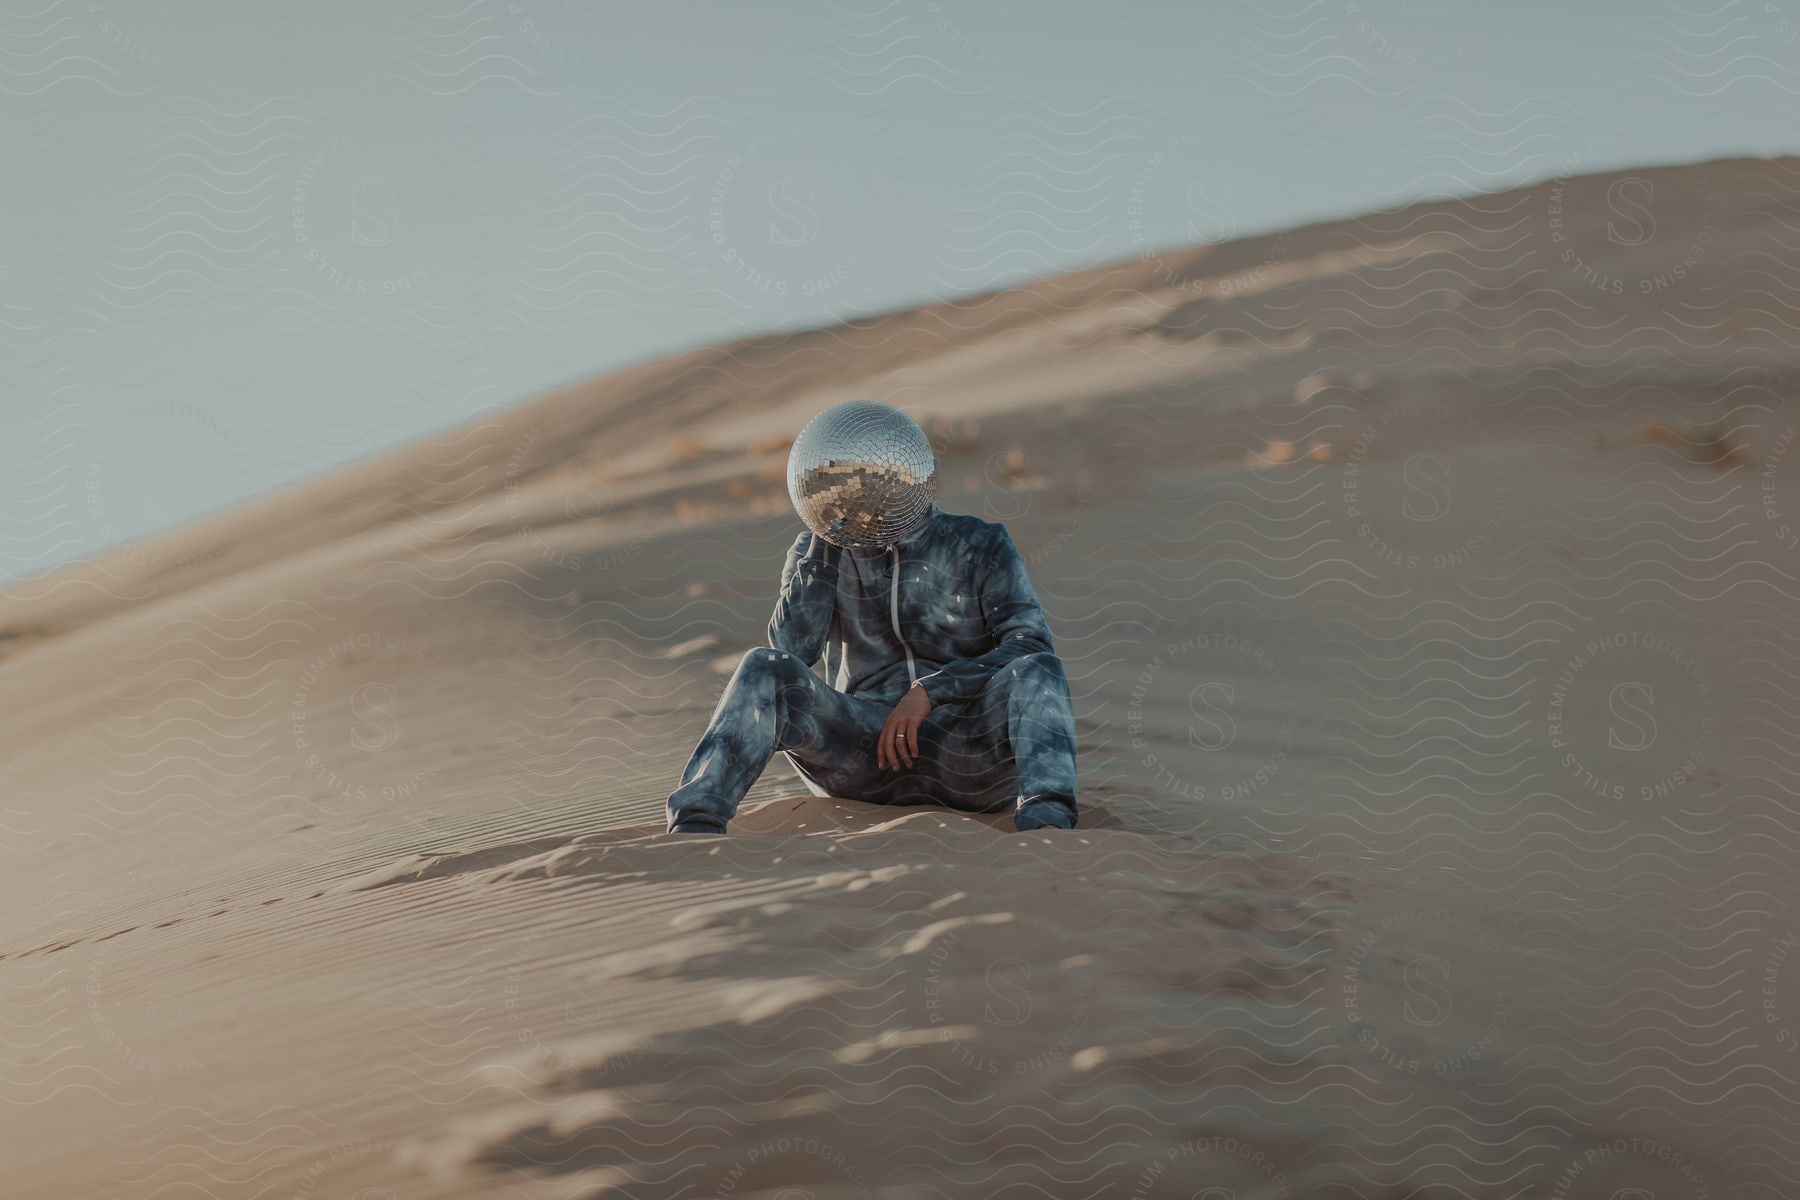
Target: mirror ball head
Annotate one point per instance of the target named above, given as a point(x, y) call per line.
point(862, 475)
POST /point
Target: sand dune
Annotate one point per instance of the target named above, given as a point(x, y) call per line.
point(1427, 592)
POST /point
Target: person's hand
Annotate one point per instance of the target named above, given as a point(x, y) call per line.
point(899, 739)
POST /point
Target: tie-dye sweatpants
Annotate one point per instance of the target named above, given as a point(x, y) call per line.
point(1011, 747)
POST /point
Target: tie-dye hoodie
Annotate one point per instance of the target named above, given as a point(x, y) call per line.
point(962, 609)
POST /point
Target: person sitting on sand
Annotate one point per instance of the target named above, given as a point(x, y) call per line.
point(948, 690)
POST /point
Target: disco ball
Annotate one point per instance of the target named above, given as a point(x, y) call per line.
point(861, 475)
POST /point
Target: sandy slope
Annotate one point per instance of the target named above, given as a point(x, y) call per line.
point(1428, 604)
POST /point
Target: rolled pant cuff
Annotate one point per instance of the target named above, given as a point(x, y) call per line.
point(696, 822)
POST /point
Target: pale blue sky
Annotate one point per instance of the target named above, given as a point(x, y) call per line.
point(253, 241)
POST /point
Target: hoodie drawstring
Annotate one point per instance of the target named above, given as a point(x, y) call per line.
point(912, 673)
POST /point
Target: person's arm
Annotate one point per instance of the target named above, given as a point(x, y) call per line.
point(803, 610)
point(1014, 616)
